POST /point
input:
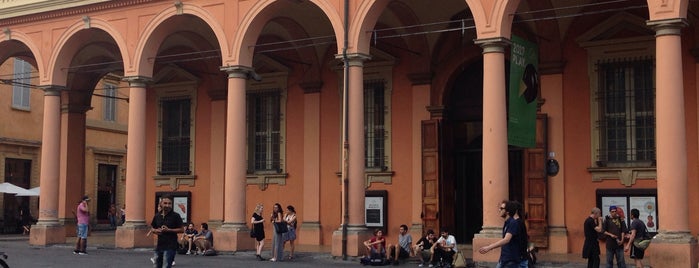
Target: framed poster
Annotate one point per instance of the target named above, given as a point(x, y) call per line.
point(645, 200)
point(181, 203)
point(375, 214)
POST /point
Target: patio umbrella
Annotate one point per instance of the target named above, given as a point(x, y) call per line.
point(31, 192)
point(10, 188)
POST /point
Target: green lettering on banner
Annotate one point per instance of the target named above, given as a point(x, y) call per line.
point(523, 93)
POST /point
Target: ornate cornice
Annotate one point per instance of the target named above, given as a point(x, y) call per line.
point(33, 11)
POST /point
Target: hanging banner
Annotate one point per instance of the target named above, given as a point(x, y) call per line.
point(523, 93)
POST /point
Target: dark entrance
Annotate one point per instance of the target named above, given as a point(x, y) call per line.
point(17, 172)
point(463, 154)
point(106, 191)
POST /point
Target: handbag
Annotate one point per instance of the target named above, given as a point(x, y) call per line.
point(252, 232)
point(281, 227)
point(644, 242)
point(459, 261)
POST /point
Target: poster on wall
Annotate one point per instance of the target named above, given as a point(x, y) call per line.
point(181, 203)
point(375, 203)
point(619, 202)
point(647, 210)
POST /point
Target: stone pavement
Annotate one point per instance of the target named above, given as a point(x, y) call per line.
point(102, 253)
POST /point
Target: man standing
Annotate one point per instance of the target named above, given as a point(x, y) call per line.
point(592, 227)
point(614, 228)
point(511, 252)
point(83, 215)
point(638, 231)
point(166, 225)
point(404, 248)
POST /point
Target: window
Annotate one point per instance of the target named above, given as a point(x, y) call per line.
point(21, 80)
point(264, 130)
point(374, 125)
point(176, 122)
point(626, 122)
point(109, 102)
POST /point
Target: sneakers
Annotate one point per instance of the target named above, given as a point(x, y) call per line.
point(189, 252)
point(431, 265)
point(82, 253)
point(420, 265)
point(152, 259)
point(75, 252)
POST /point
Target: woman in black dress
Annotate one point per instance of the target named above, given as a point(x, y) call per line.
point(258, 230)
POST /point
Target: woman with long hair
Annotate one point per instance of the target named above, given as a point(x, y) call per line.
point(290, 219)
point(258, 230)
point(277, 240)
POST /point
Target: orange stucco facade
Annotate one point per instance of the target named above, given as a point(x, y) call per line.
point(444, 130)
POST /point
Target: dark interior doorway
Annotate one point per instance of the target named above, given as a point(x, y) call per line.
point(106, 191)
point(17, 172)
point(464, 154)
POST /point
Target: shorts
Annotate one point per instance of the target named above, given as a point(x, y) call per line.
point(82, 231)
point(636, 253)
point(402, 253)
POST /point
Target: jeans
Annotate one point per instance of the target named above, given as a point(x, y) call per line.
point(619, 252)
point(168, 255)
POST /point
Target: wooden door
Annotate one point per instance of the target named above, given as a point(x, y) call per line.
point(535, 186)
point(430, 174)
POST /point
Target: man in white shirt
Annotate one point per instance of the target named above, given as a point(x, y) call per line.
point(444, 249)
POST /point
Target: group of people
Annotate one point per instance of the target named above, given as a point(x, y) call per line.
point(618, 238)
point(116, 217)
point(202, 240)
point(439, 252)
point(284, 231)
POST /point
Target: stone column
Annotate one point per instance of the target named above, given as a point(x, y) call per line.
point(48, 230)
point(357, 232)
point(217, 156)
point(310, 231)
point(72, 160)
point(133, 232)
point(421, 86)
point(495, 174)
point(674, 246)
point(234, 233)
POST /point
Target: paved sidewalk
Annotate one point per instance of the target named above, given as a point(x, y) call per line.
point(102, 253)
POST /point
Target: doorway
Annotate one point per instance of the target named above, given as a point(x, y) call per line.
point(106, 191)
point(17, 172)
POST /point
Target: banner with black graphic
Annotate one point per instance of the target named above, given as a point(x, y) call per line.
point(523, 93)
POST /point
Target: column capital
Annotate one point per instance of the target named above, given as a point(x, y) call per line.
point(355, 59)
point(311, 87)
point(137, 81)
point(52, 90)
point(493, 45)
point(238, 71)
point(667, 26)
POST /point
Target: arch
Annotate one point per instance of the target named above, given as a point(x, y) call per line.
point(155, 34)
point(493, 18)
point(26, 41)
point(67, 46)
point(667, 9)
point(363, 21)
point(251, 26)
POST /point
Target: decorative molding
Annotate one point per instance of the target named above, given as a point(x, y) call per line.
point(264, 180)
point(420, 78)
point(551, 67)
point(384, 177)
point(311, 87)
point(626, 176)
point(436, 111)
point(86, 20)
point(180, 7)
point(175, 181)
point(8, 33)
point(39, 10)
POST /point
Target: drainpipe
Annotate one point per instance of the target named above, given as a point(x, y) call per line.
point(345, 139)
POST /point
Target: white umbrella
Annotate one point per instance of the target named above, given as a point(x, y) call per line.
point(31, 192)
point(10, 188)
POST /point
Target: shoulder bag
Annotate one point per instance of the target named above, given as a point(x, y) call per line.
point(281, 227)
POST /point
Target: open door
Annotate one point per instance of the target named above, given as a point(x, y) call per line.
point(535, 186)
point(430, 174)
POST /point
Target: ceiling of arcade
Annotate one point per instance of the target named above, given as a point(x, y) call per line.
point(299, 38)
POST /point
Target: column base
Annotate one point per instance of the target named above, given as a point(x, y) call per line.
point(215, 224)
point(233, 237)
point(356, 235)
point(558, 240)
point(70, 225)
point(417, 231)
point(673, 249)
point(486, 237)
point(310, 233)
point(133, 235)
point(47, 233)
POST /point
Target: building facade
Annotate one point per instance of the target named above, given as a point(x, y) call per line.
point(369, 114)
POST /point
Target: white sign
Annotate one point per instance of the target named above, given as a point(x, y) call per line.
point(373, 207)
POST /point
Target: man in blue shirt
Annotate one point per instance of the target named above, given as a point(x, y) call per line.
point(511, 252)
